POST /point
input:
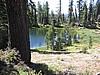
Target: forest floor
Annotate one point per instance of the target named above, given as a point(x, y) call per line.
point(76, 62)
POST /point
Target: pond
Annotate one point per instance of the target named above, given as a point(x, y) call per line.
point(37, 37)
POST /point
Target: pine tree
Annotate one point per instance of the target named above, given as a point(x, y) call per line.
point(84, 21)
point(90, 12)
point(63, 18)
point(45, 13)
point(3, 13)
point(49, 38)
point(70, 11)
point(97, 9)
point(3, 25)
point(76, 14)
point(32, 14)
point(52, 16)
point(73, 20)
point(59, 12)
point(80, 8)
point(39, 10)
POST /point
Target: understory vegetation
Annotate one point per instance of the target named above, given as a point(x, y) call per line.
point(12, 64)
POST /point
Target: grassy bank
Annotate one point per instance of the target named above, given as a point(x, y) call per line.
point(84, 39)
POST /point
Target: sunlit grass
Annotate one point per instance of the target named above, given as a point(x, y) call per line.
point(84, 36)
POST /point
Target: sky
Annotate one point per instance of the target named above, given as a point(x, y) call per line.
point(53, 4)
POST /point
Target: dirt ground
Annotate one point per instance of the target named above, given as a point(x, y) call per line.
point(76, 62)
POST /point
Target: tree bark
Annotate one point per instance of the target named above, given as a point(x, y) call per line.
point(17, 16)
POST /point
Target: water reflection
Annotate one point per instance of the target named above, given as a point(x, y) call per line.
point(36, 41)
point(37, 38)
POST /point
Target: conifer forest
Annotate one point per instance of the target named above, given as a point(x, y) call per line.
point(49, 37)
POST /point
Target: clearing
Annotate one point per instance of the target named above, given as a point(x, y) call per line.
point(60, 61)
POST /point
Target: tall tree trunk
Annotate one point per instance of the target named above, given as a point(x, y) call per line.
point(53, 24)
point(17, 16)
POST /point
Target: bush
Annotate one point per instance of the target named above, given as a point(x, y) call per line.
point(84, 50)
point(9, 58)
point(9, 55)
point(12, 64)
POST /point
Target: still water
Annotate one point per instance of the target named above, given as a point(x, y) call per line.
point(37, 37)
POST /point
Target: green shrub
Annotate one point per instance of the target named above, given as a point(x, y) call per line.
point(8, 55)
point(84, 49)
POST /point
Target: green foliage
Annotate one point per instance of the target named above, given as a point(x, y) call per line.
point(80, 8)
point(90, 14)
point(12, 64)
point(52, 16)
point(32, 17)
point(63, 18)
point(7, 59)
point(8, 55)
point(38, 31)
point(59, 18)
point(22, 71)
point(58, 44)
point(84, 21)
point(43, 13)
point(58, 38)
point(3, 13)
point(76, 17)
point(46, 13)
point(39, 10)
point(70, 11)
point(84, 36)
point(84, 49)
point(71, 31)
point(49, 38)
point(3, 37)
point(3, 25)
point(97, 9)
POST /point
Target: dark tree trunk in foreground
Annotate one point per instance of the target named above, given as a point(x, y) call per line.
point(17, 16)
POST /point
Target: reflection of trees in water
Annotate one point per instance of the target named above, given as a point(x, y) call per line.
point(36, 41)
point(38, 31)
point(37, 36)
